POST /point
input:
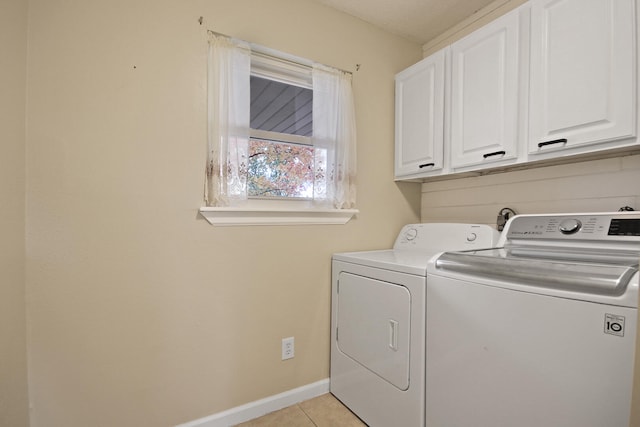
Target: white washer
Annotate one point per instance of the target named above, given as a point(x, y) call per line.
point(538, 332)
point(378, 321)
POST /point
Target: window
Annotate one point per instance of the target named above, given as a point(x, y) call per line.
point(282, 159)
point(281, 130)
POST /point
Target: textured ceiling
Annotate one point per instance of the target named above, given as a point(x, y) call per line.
point(416, 20)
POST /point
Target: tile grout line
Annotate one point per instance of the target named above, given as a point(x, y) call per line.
point(307, 415)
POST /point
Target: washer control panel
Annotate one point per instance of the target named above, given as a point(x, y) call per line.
point(599, 226)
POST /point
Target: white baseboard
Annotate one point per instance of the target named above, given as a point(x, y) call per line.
point(258, 408)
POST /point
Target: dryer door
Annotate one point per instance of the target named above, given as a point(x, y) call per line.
point(373, 326)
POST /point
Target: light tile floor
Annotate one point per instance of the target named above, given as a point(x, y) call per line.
point(322, 411)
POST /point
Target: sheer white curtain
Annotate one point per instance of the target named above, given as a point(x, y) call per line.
point(334, 130)
point(228, 124)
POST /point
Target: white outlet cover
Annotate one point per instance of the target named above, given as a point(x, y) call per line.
point(288, 348)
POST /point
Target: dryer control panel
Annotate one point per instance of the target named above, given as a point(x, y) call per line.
point(442, 236)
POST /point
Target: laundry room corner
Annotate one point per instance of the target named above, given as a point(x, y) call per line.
point(140, 312)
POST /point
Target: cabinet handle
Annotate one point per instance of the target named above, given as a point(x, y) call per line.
point(425, 165)
point(555, 141)
point(495, 153)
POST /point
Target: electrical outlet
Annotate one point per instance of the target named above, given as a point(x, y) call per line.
point(288, 350)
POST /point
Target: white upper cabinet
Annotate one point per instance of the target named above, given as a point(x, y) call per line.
point(420, 117)
point(583, 75)
point(488, 82)
point(552, 80)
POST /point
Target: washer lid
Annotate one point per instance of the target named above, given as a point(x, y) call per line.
point(573, 271)
point(403, 261)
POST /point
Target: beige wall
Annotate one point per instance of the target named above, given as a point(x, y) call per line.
point(13, 356)
point(141, 313)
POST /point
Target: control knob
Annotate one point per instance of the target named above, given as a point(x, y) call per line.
point(411, 234)
point(570, 226)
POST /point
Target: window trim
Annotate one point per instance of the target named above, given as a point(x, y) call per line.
point(287, 138)
point(273, 65)
point(269, 215)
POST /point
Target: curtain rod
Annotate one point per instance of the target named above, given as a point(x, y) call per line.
point(272, 53)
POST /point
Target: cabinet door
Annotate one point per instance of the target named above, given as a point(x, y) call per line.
point(583, 73)
point(420, 116)
point(485, 92)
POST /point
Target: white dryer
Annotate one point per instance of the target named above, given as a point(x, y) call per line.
point(378, 321)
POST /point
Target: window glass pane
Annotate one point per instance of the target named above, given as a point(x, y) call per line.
point(279, 169)
point(281, 107)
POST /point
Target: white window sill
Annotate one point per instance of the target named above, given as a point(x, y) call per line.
point(230, 216)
